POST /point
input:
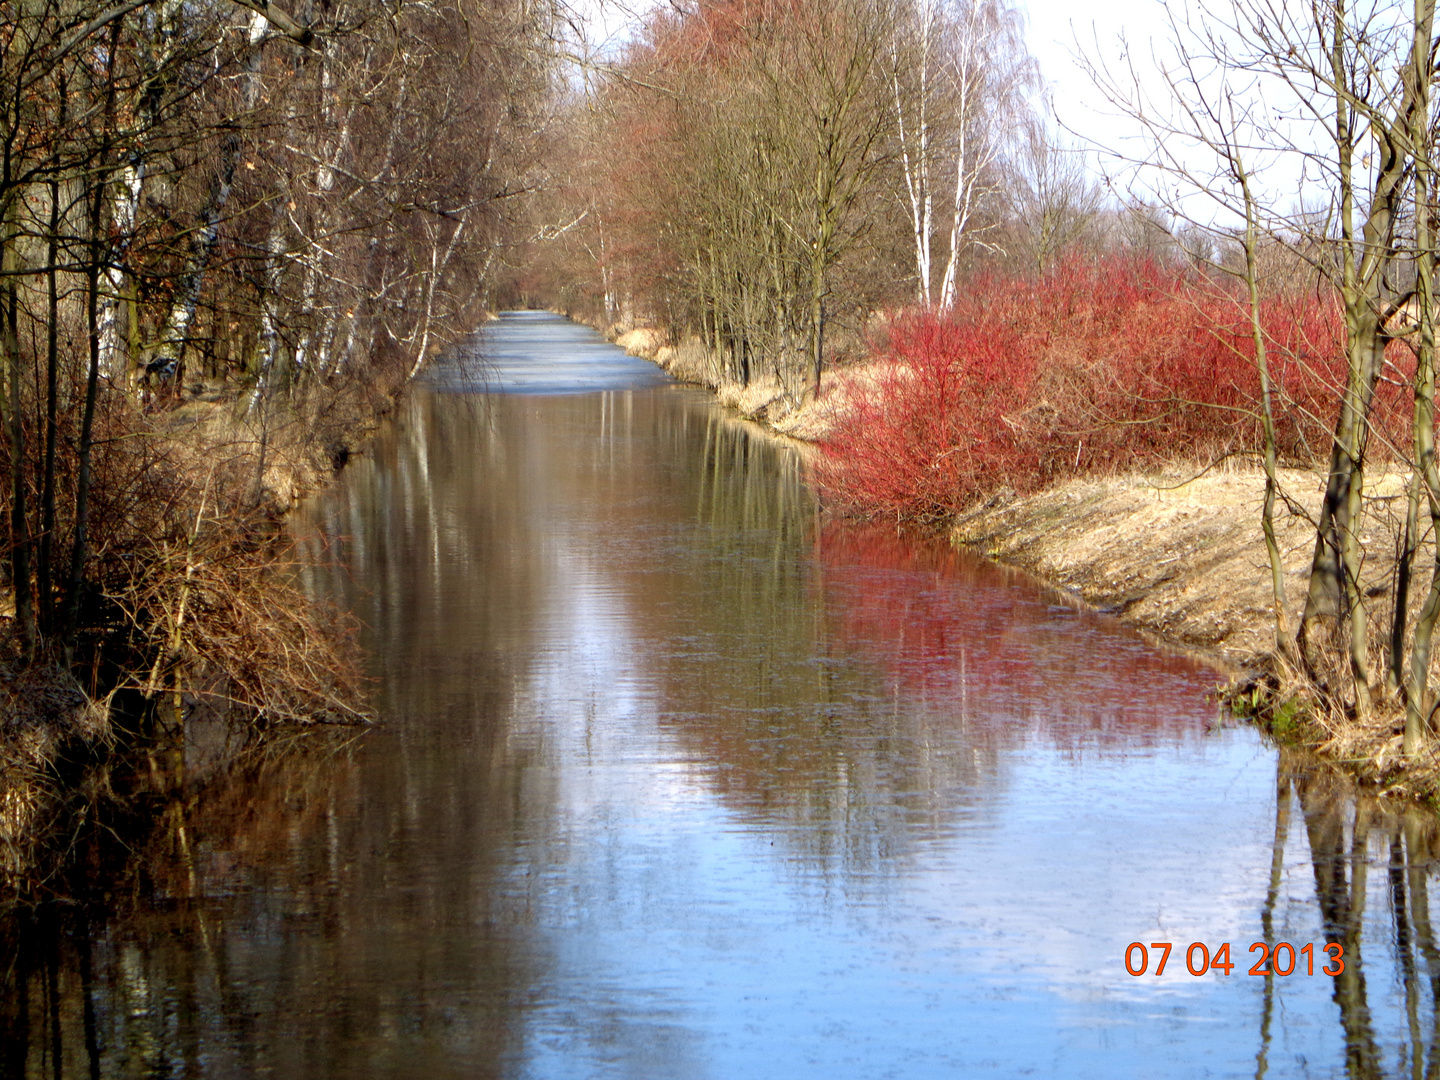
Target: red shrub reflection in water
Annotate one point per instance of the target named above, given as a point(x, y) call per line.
point(985, 642)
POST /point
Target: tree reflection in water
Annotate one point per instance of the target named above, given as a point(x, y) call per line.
point(1349, 838)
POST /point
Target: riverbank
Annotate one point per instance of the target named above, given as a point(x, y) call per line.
point(1177, 554)
point(189, 611)
point(1183, 559)
point(763, 401)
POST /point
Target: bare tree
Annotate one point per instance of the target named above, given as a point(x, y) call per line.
point(1339, 97)
point(1055, 201)
point(218, 205)
point(962, 82)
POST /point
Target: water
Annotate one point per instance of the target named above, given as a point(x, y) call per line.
point(678, 778)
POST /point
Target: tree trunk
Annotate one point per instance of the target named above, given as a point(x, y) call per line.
point(19, 515)
point(52, 378)
point(1262, 366)
point(80, 544)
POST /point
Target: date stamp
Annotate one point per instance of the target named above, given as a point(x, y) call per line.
point(1280, 959)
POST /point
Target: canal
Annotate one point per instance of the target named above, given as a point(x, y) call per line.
point(677, 777)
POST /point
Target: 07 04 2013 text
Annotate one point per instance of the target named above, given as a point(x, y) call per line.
point(1282, 958)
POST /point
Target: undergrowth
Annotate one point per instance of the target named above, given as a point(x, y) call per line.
point(1285, 715)
point(1101, 365)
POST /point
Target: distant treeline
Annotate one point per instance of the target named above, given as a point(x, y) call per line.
point(766, 176)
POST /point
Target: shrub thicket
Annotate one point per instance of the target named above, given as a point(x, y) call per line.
point(1100, 365)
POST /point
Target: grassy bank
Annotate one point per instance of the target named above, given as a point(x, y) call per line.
point(1183, 559)
point(764, 399)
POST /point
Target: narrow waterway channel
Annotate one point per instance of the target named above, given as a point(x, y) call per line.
point(676, 778)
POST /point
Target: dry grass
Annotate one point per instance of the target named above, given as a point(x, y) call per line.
point(1178, 555)
point(189, 603)
point(764, 400)
point(1183, 559)
point(44, 717)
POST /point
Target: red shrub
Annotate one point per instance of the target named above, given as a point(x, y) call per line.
point(1101, 365)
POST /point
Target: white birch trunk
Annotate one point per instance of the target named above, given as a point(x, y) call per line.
point(125, 208)
point(438, 263)
point(916, 164)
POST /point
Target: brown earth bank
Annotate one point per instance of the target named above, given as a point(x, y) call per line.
point(1177, 554)
point(244, 649)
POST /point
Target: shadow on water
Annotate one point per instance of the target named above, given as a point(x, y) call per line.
point(676, 778)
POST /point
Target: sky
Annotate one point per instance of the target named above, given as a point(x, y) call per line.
point(1062, 31)
point(1062, 35)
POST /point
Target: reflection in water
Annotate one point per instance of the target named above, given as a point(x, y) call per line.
point(947, 625)
point(1348, 837)
point(676, 779)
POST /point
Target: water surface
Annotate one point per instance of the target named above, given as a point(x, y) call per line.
point(676, 777)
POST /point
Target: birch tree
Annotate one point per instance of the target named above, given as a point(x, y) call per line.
point(962, 83)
